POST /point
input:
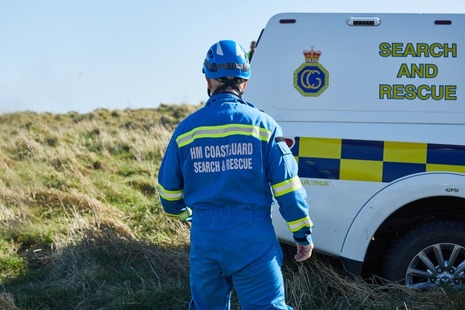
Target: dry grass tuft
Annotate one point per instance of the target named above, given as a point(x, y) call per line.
point(26, 146)
point(7, 302)
point(319, 284)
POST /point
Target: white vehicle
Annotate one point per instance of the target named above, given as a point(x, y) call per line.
point(373, 107)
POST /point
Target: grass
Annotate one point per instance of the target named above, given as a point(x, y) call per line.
point(81, 226)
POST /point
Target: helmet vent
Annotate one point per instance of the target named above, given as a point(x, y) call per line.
point(219, 50)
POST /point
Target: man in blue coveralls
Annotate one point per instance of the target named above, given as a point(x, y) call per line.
point(221, 169)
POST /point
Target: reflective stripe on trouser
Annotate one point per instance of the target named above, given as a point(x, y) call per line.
point(245, 255)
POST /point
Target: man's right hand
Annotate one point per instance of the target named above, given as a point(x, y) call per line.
point(303, 252)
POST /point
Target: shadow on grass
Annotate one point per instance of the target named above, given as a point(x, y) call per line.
point(104, 270)
point(111, 270)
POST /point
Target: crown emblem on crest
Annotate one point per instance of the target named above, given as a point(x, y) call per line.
point(312, 55)
point(311, 79)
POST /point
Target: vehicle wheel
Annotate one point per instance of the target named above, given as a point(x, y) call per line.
point(429, 255)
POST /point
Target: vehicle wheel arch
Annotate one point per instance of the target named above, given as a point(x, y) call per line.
point(397, 208)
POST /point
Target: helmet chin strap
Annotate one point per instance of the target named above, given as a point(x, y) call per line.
point(227, 88)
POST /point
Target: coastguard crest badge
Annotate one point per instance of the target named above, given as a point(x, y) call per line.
point(311, 78)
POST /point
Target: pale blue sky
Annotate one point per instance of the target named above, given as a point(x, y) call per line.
point(62, 55)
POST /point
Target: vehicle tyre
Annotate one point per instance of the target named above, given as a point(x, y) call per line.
point(429, 255)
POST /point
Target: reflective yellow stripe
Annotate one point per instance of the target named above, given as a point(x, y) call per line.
point(300, 223)
point(170, 195)
point(182, 216)
point(223, 131)
point(286, 186)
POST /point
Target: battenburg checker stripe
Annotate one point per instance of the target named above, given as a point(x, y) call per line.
point(377, 161)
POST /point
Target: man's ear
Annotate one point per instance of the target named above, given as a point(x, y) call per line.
point(209, 83)
point(244, 85)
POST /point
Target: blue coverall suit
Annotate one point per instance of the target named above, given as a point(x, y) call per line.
point(217, 171)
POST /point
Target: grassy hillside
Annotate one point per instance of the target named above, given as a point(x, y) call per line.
point(81, 226)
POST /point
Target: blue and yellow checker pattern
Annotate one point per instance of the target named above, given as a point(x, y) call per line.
point(375, 161)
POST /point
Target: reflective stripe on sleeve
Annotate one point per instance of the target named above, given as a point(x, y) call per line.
point(300, 223)
point(170, 195)
point(223, 131)
point(182, 216)
point(286, 186)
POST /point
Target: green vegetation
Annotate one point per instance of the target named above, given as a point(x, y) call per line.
point(81, 226)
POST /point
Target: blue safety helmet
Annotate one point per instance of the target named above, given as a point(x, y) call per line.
point(226, 59)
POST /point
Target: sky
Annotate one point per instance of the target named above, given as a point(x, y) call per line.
point(80, 55)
